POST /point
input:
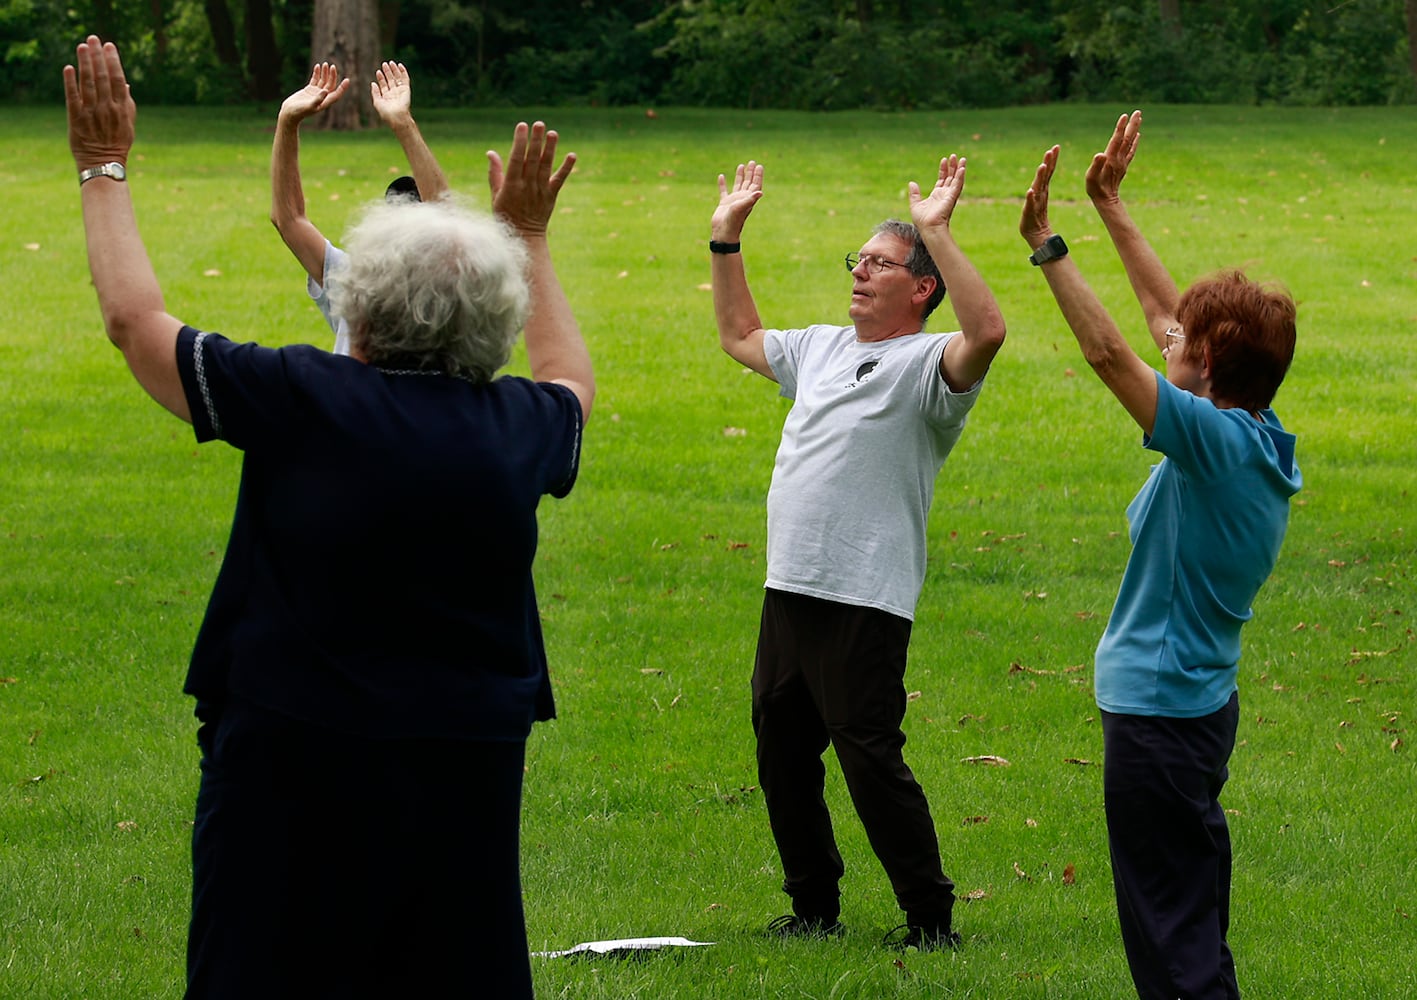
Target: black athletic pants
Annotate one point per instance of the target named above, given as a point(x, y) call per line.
point(1171, 850)
point(329, 866)
point(830, 673)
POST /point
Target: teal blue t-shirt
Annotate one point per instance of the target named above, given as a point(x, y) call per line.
point(1206, 530)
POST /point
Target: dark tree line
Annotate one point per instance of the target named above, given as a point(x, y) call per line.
point(808, 54)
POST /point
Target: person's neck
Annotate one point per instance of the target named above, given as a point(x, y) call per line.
point(874, 335)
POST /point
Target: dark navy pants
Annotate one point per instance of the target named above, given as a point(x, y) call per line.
point(833, 674)
point(326, 865)
point(1171, 850)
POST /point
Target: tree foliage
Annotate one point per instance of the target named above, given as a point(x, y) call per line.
point(810, 54)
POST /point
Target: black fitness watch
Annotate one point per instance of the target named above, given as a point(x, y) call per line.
point(1053, 248)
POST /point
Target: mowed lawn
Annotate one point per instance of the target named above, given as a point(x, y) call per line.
point(641, 811)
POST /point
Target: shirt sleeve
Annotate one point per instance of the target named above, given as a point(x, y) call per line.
point(944, 408)
point(783, 349)
point(238, 393)
point(335, 261)
point(1203, 440)
point(563, 454)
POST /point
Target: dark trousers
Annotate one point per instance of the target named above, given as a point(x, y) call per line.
point(1171, 850)
point(830, 673)
point(331, 866)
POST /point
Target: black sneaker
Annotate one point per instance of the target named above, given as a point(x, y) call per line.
point(932, 938)
point(790, 925)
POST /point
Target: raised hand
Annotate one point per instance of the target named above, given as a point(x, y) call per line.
point(735, 204)
point(325, 87)
point(391, 93)
point(1105, 173)
point(936, 208)
point(1034, 225)
point(524, 190)
point(101, 109)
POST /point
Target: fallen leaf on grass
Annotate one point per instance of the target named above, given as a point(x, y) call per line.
point(1020, 873)
point(975, 895)
point(913, 696)
point(1080, 761)
point(734, 432)
point(127, 825)
point(1069, 875)
point(652, 670)
point(974, 820)
point(9, 680)
point(1019, 668)
point(987, 758)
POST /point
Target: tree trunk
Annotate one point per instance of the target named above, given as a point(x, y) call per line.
point(1171, 18)
point(1411, 9)
point(159, 25)
point(262, 55)
point(223, 36)
point(346, 33)
point(389, 23)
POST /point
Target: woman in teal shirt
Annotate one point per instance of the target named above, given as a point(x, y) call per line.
point(1206, 530)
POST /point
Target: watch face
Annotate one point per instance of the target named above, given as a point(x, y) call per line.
point(116, 171)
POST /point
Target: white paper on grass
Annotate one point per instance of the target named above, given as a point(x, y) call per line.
point(623, 946)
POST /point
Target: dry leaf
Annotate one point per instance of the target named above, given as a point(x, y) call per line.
point(987, 758)
point(1078, 760)
point(734, 432)
point(1020, 873)
point(974, 820)
point(975, 895)
point(913, 696)
point(652, 670)
point(1069, 875)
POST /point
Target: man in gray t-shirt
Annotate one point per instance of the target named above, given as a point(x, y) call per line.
point(877, 406)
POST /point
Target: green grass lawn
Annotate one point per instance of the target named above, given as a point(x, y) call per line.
point(642, 815)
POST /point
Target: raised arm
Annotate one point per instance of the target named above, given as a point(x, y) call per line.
point(1131, 380)
point(101, 128)
point(393, 96)
point(287, 193)
point(524, 194)
point(740, 330)
point(1151, 282)
point(967, 357)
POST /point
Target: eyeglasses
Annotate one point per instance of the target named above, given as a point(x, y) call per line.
point(874, 264)
point(1174, 336)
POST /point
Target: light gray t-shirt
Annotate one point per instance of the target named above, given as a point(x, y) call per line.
point(870, 427)
point(335, 260)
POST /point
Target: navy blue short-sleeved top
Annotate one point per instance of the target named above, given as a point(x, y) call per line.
point(378, 577)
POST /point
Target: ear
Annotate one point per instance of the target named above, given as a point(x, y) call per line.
point(924, 288)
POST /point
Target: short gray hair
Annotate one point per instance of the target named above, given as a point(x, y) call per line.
point(433, 286)
point(920, 263)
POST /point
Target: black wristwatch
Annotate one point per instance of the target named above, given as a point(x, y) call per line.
point(1053, 248)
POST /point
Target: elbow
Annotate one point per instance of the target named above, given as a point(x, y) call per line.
point(1105, 359)
point(993, 334)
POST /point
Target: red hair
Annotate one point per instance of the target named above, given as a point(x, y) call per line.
point(1249, 328)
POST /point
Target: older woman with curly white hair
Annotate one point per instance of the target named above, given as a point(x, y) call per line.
point(371, 659)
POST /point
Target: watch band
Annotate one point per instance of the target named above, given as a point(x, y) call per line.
point(1053, 248)
point(114, 170)
point(717, 247)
